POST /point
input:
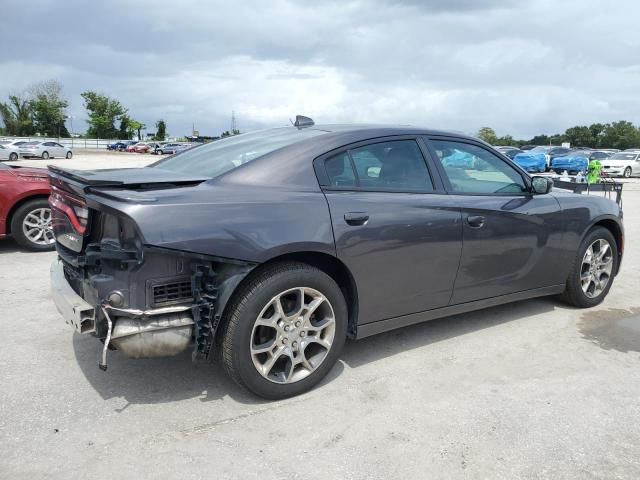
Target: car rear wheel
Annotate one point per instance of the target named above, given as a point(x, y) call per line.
point(69, 155)
point(45, 155)
point(31, 225)
point(13, 156)
point(594, 269)
point(627, 172)
point(284, 330)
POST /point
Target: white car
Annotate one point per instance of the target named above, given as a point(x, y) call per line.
point(622, 163)
point(44, 150)
point(8, 151)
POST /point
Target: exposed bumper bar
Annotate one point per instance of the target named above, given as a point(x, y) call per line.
point(73, 308)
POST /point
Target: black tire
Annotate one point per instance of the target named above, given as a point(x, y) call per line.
point(16, 225)
point(573, 294)
point(13, 156)
point(69, 155)
point(245, 307)
point(627, 172)
point(45, 155)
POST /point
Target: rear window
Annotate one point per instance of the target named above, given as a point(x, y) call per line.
point(219, 157)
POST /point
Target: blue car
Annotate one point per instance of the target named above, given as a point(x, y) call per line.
point(571, 163)
point(457, 159)
point(532, 162)
point(120, 146)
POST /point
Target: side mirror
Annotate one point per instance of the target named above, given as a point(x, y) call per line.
point(541, 185)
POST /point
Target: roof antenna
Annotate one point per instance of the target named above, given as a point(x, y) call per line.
point(302, 121)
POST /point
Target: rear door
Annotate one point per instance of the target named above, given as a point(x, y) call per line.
point(394, 227)
point(512, 239)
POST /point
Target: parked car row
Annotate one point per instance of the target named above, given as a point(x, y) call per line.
point(162, 148)
point(15, 149)
point(573, 160)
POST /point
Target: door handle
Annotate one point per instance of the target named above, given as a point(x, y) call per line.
point(475, 221)
point(356, 218)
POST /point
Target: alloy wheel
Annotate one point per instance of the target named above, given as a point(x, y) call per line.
point(597, 266)
point(36, 227)
point(292, 335)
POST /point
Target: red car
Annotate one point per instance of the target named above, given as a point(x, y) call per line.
point(132, 147)
point(24, 210)
point(141, 148)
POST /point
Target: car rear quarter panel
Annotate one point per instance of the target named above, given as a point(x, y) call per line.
point(252, 224)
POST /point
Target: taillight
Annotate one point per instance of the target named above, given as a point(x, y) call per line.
point(72, 206)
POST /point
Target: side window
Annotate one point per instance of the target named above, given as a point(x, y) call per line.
point(397, 165)
point(472, 169)
point(57, 145)
point(339, 171)
point(392, 165)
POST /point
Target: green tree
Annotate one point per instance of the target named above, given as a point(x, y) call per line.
point(103, 113)
point(17, 116)
point(124, 132)
point(48, 107)
point(580, 137)
point(161, 130)
point(596, 130)
point(620, 135)
point(136, 127)
point(488, 135)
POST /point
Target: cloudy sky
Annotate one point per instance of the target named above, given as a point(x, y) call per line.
point(522, 67)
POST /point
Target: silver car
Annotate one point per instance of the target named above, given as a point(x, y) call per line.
point(8, 151)
point(44, 150)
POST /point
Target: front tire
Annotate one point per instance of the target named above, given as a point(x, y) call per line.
point(69, 155)
point(284, 330)
point(594, 269)
point(13, 156)
point(31, 226)
point(627, 172)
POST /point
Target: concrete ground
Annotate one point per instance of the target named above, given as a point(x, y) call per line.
point(530, 390)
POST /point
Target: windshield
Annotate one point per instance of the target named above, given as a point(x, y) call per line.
point(215, 158)
point(623, 156)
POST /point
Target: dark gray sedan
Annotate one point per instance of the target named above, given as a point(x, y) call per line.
point(270, 249)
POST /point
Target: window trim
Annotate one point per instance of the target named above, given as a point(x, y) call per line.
point(323, 176)
point(526, 178)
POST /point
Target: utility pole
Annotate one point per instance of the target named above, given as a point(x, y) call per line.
point(233, 122)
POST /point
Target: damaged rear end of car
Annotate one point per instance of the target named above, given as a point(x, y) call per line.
point(108, 281)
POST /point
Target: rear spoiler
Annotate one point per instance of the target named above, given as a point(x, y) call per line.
point(84, 181)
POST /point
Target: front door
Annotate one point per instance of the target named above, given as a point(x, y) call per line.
point(512, 239)
point(394, 228)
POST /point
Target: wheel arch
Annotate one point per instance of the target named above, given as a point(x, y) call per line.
point(328, 264)
point(616, 230)
point(18, 204)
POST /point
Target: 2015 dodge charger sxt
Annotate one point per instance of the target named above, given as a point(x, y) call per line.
point(269, 249)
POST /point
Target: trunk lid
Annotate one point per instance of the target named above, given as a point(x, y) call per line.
point(75, 223)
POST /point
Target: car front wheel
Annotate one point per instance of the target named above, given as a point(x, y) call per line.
point(627, 172)
point(594, 269)
point(13, 156)
point(284, 330)
point(69, 155)
point(31, 225)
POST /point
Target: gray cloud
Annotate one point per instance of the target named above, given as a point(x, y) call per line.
point(523, 67)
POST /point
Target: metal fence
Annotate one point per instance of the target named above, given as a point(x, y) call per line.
point(75, 143)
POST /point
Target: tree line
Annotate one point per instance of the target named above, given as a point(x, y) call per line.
point(621, 135)
point(41, 110)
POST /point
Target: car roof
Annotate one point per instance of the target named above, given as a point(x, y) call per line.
point(266, 170)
